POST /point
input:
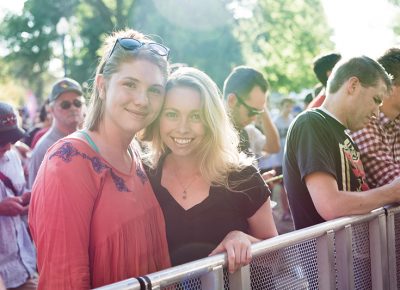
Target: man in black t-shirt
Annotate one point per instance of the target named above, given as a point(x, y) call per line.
point(323, 173)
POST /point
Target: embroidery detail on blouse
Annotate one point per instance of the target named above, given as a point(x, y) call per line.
point(67, 151)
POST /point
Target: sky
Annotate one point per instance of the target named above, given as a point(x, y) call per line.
point(360, 26)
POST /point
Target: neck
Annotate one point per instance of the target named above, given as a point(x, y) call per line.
point(114, 138)
point(65, 130)
point(185, 166)
point(336, 110)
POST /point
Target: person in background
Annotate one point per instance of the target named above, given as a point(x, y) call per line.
point(43, 122)
point(46, 120)
point(274, 161)
point(322, 67)
point(65, 105)
point(17, 253)
point(323, 172)
point(379, 141)
point(213, 199)
point(2, 287)
point(94, 217)
point(245, 94)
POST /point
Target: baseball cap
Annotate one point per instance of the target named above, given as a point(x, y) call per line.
point(9, 130)
point(65, 85)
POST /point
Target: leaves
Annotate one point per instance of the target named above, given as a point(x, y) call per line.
point(282, 38)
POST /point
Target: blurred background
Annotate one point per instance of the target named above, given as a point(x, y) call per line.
point(42, 40)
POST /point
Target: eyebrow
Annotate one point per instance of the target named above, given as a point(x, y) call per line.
point(137, 80)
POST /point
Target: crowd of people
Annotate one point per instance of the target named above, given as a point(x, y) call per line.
point(160, 168)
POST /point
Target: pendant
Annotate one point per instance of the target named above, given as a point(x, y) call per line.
point(184, 194)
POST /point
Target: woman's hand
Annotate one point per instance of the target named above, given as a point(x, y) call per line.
point(238, 247)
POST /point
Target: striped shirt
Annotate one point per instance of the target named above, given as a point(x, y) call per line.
point(379, 144)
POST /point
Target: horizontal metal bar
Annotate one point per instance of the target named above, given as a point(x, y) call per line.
point(203, 266)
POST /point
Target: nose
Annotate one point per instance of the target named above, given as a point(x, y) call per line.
point(141, 99)
point(183, 126)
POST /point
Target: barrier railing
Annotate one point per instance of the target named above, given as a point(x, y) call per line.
point(358, 252)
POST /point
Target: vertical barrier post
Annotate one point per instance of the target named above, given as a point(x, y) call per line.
point(378, 250)
point(240, 280)
point(213, 280)
point(391, 237)
point(344, 258)
point(325, 261)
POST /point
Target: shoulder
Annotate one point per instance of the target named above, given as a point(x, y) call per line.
point(73, 150)
point(246, 177)
point(248, 190)
point(12, 155)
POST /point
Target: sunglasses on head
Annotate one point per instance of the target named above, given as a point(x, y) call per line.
point(65, 105)
point(133, 44)
point(251, 111)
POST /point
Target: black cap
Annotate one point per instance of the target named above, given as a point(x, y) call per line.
point(9, 130)
point(65, 85)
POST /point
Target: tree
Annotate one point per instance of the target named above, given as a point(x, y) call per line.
point(199, 33)
point(282, 38)
point(32, 39)
point(29, 38)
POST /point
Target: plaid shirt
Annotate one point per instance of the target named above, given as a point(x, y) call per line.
point(379, 145)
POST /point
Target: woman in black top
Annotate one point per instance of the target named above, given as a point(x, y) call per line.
point(213, 199)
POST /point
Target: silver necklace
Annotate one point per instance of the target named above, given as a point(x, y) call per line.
point(185, 188)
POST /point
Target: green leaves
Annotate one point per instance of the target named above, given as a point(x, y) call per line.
point(282, 38)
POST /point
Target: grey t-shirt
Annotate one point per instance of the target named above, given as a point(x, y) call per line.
point(40, 150)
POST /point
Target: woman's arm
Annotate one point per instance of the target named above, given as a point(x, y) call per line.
point(262, 225)
point(60, 213)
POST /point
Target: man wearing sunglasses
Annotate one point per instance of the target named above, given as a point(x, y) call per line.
point(66, 104)
point(245, 94)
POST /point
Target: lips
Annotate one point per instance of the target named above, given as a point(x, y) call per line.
point(137, 113)
point(182, 141)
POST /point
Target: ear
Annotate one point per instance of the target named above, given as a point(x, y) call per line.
point(231, 100)
point(101, 86)
point(353, 85)
point(51, 109)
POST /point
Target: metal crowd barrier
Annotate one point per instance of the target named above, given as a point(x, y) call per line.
point(358, 252)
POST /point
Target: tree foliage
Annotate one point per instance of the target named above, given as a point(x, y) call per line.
point(28, 36)
point(199, 33)
point(32, 37)
point(282, 38)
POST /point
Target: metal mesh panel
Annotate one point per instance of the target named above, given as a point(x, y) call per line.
point(294, 267)
point(361, 256)
point(190, 284)
point(397, 246)
point(226, 279)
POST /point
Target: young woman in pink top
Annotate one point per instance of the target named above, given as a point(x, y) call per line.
point(93, 215)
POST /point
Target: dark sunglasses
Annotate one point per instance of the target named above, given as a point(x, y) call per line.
point(65, 105)
point(251, 111)
point(133, 44)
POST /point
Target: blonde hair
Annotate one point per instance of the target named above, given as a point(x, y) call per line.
point(110, 64)
point(219, 154)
